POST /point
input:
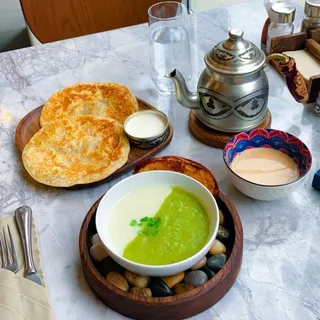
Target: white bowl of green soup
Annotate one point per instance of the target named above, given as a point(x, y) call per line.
point(157, 223)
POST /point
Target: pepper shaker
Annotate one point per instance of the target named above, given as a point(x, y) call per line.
point(311, 18)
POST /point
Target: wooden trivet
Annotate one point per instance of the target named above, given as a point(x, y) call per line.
point(213, 137)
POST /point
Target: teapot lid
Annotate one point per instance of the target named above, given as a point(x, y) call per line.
point(235, 55)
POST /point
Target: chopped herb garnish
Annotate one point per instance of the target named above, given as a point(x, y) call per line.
point(148, 226)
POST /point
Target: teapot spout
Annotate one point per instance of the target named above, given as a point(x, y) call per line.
point(184, 96)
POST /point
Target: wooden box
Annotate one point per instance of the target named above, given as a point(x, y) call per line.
point(295, 42)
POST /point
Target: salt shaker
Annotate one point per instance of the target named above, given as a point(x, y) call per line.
point(268, 4)
point(311, 18)
point(282, 16)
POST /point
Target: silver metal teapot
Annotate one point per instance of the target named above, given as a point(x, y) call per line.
point(233, 89)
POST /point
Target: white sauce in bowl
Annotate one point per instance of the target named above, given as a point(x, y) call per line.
point(134, 206)
point(146, 124)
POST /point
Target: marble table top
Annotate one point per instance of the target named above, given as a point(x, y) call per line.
point(279, 278)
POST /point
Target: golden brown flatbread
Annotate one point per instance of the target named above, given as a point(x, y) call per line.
point(76, 150)
point(101, 100)
point(182, 165)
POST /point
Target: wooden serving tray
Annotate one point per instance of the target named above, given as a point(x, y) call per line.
point(30, 125)
point(173, 307)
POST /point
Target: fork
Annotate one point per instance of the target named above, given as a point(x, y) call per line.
point(8, 256)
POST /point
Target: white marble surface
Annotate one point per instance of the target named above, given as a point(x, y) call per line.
point(279, 278)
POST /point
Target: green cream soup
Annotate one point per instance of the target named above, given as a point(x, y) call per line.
point(178, 230)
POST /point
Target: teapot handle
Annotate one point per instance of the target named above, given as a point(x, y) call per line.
point(294, 79)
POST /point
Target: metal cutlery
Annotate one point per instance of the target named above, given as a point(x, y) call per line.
point(23, 216)
point(8, 257)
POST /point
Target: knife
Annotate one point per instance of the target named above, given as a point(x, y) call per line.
point(23, 216)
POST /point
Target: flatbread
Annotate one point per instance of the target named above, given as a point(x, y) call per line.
point(76, 150)
point(101, 100)
point(188, 167)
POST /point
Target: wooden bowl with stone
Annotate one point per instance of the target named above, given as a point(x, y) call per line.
point(176, 306)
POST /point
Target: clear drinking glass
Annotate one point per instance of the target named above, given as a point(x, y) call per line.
point(169, 43)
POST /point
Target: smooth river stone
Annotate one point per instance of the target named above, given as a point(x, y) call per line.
point(159, 288)
point(98, 252)
point(118, 280)
point(217, 261)
point(223, 233)
point(217, 247)
point(142, 292)
point(182, 288)
point(200, 264)
point(210, 274)
point(95, 239)
point(195, 278)
point(221, 218)
point(136, 279)
point(171, 281)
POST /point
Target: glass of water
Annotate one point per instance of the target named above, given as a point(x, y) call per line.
point(169, 43)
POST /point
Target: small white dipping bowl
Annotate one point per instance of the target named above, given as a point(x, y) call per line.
point(147, 128)
point(145, 180)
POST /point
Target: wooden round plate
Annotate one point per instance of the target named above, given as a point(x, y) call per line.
point(214, 138)
point(173, 307)
point(30, 125)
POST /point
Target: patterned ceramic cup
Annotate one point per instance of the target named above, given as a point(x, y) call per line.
point(267, 138)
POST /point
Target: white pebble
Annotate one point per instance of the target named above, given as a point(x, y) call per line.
point(95, 239)
point(98, 252)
